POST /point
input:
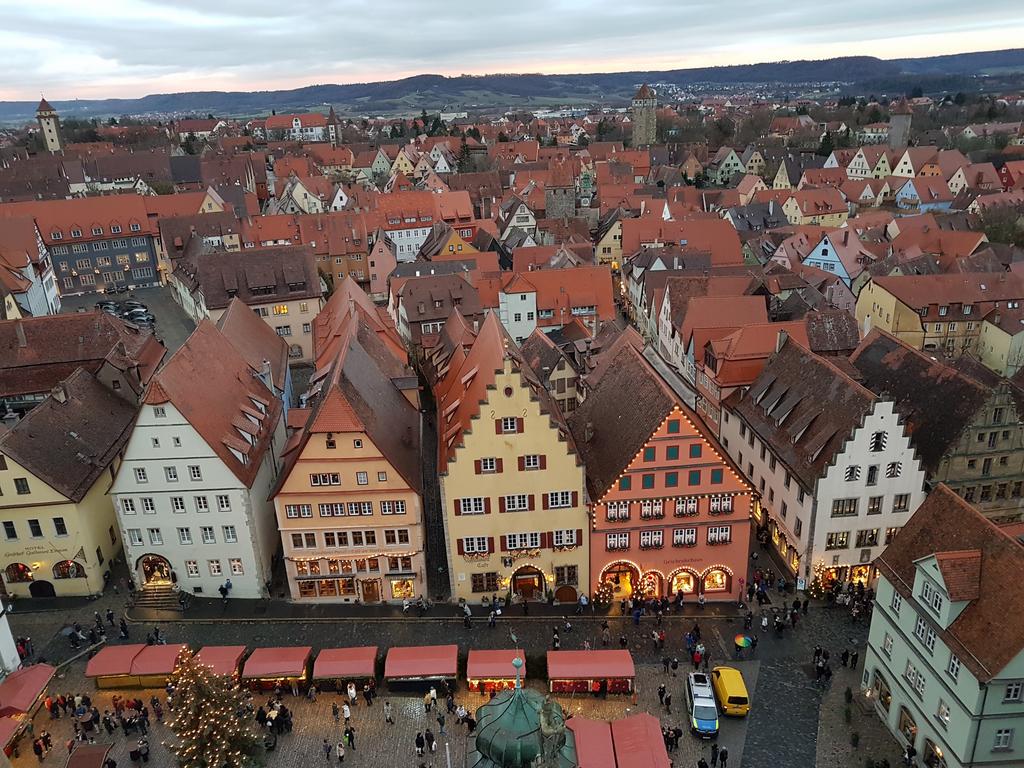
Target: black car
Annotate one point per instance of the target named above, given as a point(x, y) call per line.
point(131, 304)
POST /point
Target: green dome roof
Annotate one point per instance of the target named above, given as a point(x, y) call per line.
point(508, 733)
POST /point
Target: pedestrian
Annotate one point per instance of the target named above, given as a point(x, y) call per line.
point(556, 642)
point(714, 755)
point(334, 711)
point(387, 713)
point(420, 743)
point(606, 636)
point(110, 616)
point(623, 642)
point(753, 644)
point(144, 750)
point(844, 657)
point(450, 703)
point(311, 693)
point(764, 622)
point(340, 750)
point(350, 737)
point(817, 654)
point(295, 692)
point(702, 763)
point(804, 606)
point(346, 712)
point(492, 619)
point(666, 663)
point(428, 737)
point(723, 757)
point(368, 695)
point(440, 722)
point(668, 702)
point(327, 747)
point(853, 659)
point(675, 667)
point(427, 701)
point(661, 694)
point(37, 748)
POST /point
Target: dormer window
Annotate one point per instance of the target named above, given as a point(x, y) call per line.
point(115, 229)
point(76, 233)
point(56, 235)
point(943, 311)
point(135, 227)
point(931, 596)
point(97, 230)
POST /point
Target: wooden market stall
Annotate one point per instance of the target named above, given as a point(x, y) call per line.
point(419, 667)
point(153, 665)
point(270, 667)
point(10, 729)
point(339, 666)
point(598, 672)
point(638, 742)
point(221, 659)
point(111, 667)
point(593, 742)
point(488, 671)
point(22, 691)
point(88, 756)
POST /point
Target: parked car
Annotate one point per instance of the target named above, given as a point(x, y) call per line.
point(133, 304)
point(731, 691)
point(700, 701)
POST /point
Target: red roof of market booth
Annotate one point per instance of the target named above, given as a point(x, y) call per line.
point(589, 665)
point(221, 659)
point(21, 688)
point(8, 727)
point(157, 659)
point(422, 661)
point(113, 660)
point(88, 756)
point(638, 742)
point(494, 665)
point(346, 662)
point(277, 662)
point(593, 742)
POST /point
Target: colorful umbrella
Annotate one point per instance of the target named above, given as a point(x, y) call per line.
point(742, 641)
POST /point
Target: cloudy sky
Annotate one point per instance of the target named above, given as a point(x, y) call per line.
point(74, 49)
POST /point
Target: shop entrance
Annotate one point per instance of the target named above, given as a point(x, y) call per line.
point(371, 591)
point(623, 578)
point(155, 570)
point(528, 582)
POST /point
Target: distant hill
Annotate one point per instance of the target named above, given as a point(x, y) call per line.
point(500, 90)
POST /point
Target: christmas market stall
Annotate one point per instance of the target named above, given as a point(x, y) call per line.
point(221, 659)
point(22, 691)
point(639, 737)
point(488, 671)
point(337, 667)
point(593, 742)
point(597, 672)
point(419, 667)
point(268, 668)
point(153, 665)
point(111, 667)
point(10, 729)
point(88, 756)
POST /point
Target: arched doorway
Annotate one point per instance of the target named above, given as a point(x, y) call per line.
point(650, 584)
point(68, 569)
point(623, 579)
point(566, 594)
point(17, 573)
point(880, 688)
point(716, 579)
point(683, 580)
point(528, 583)
point(154, 570)
point(933, 755)
point(41, 589)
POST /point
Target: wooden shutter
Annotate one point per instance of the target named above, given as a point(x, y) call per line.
point(490, 544)
point(543, 461)
point(575, 498)
point(476, 467)
point(462, 547)
point(499, 465)
point(544, 501)
point(504, 544)
point(458, 506)
point(519, 425)
point(497, 426)
point(579, 537)
point(501, 503)
point(529, 502)
point(546, 538)
point(487, 505)
point(522, 463)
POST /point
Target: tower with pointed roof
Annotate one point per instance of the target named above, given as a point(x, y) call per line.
point(49, 125)
point(645, 107)
point(900, 115)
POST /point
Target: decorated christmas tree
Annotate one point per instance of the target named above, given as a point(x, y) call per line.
point(213, 726)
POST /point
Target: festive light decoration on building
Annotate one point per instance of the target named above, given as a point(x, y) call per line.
point(212, 724)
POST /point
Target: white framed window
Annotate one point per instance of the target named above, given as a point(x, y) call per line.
point(1013, 690)
point(140, 475)
point(651, 538)
point(564, 537)
point(887, 643)
point(531, 461)
point(720, 504)
point(171, 474)
point(333, 509)
point(472, 505)
point(360, 507)
point(155, 536)
point(215, 568)
point(184, 535)
point(1003, 739)
point(518, 502)
point(617, 541)
point(148, 505)
point(931, 596)
point(852, 473)
point(295, 511)
point(202, 504)
point(953, 667)
point(687, 506)
point(159, 412)
point(894, 469)
point(324, 478)
point(474, 545)
point(207, 535)
point(128, 506)
point(684, 537)
point(509, 424)
point(896, 603)
point(235, 564)
point(223, 502)
point(230, 535)
point(362, 478)
point(924, 633)
point(942, 713)
point(135, 537)
point(528, 540)
point(195, 472)
point(382, 477)
point(719, 534)
point(915, 678)
point(617, 510)
point(178, 504)
point(396, 507)
point(490, 464)
point(559, 499)
point(192, 569)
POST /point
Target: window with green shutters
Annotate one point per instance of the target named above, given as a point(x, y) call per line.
point(672, 452)
point(647, 481)
point(716, 476)
point(649, 454)
point(694, 477)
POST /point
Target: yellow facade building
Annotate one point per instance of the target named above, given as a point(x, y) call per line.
point(512, 493)
point(56, 468)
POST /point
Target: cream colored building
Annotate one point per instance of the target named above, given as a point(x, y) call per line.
point(56, 468)
point(515, 513)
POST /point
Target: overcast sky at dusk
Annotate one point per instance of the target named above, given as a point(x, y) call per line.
point(69, 49)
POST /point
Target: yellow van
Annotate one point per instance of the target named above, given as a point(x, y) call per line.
point(731, 691)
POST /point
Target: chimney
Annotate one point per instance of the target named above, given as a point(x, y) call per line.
point(59, 393)
point(19, 331)
point(780, 340)
point(588, 432)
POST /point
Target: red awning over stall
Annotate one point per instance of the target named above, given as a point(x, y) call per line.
point(157, 659)
point(590, 665)
point(221, 659)
point(277, 662)
point(593, 742)
point(113, 660)
point(494, 665)
point(88, 756)
point(22, 688)
point(422, 661)
point(638, 742)
point(344, 663)
point(8, 727)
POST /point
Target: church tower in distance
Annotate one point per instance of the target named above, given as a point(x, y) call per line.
point(645, 108)
point(49, 124)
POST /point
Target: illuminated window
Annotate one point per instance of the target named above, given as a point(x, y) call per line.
point(280, 309)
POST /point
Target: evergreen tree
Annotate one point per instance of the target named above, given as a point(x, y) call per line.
point(465, 162)
point(502, 137)
point(211, 723)
point(826, 146)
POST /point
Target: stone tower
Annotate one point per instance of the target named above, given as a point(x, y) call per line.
point(645, 108)
point(49, 124)
point(900, 115)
